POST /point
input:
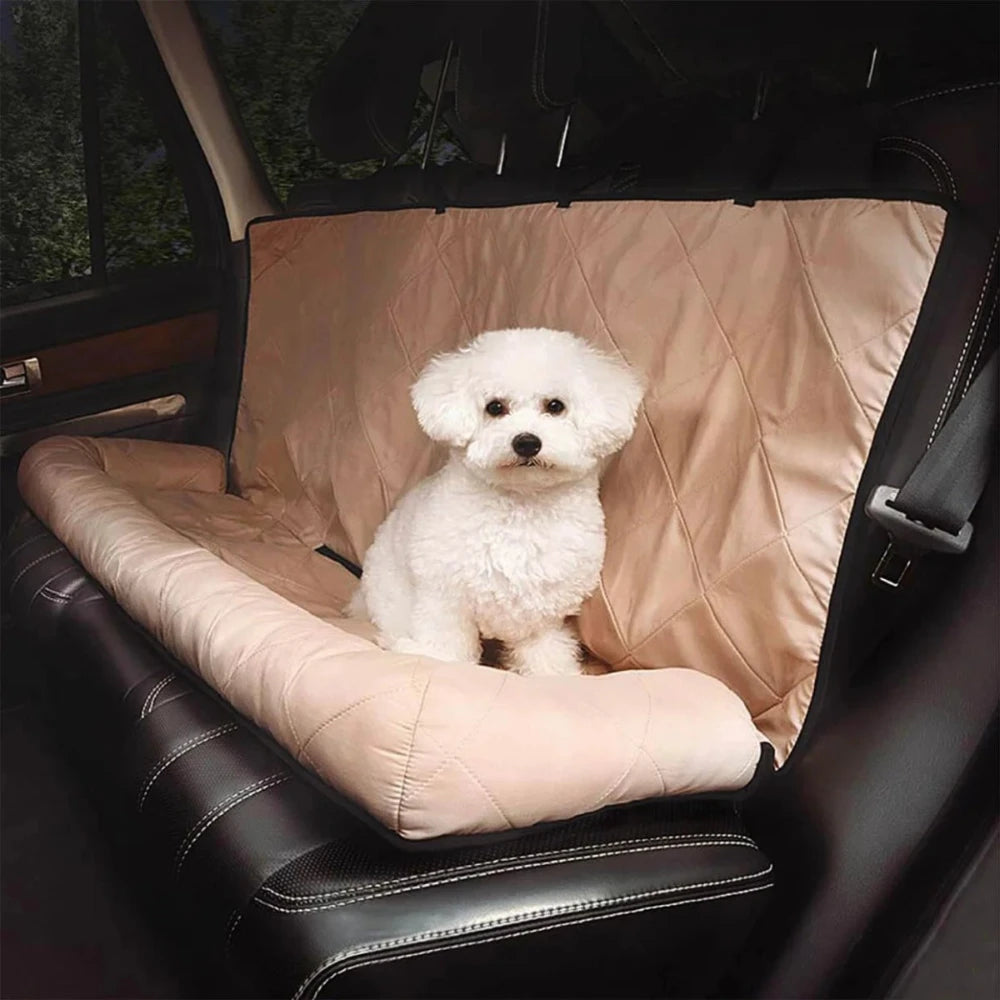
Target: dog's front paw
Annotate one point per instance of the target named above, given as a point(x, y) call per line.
point(555, 653)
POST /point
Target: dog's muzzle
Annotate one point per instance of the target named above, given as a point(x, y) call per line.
point(526, 445)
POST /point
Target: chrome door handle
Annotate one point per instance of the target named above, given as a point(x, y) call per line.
point(20, 376)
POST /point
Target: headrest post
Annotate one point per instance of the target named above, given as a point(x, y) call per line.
point(562, 138)
point(871, 69)
point(435, 111)
point(761, 96)
point(503, 154)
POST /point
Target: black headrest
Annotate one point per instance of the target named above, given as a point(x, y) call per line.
point(517, 60)
point(363, 104)
point(518, 70)
point(812, 50)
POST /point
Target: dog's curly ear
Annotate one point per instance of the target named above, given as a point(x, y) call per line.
point(443, 400)
point(614, 392)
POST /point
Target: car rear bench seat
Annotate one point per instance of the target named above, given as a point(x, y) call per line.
point(333, 847)
point(304, 895)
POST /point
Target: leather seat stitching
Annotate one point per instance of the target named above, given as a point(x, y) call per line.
point(965, 346)
point(933, 152)
point(25, 543)
point(35, 562)
point(164, 762)
point(49, 596)
point(554, 911)
point(161, 702)
point(155, 703)
point(950, 90)
point(979, 350)
point(923, 159)
point(151, 697)
point(234, 922)
point(569, 854)
point(506, 870)
point(230, 802)
point(58, 593)
point(81, 578)
point(45, 590)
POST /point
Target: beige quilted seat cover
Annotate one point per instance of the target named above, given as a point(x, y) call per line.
point(770, 337)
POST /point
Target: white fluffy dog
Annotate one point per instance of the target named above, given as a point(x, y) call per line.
point(507, 539)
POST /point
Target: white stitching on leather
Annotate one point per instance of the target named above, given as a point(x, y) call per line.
point(965, 347)
point(162, 702)
point(234, 922)
point(33, 563)
point(147, 705)
point(55, 596)
point(164, 762)
point(484, 872)
point(51, 595)
point(933, 152)
point(923, 159)
point(23, 545)
point(300, 993)
point(950, 90)
point(220, 810)
point(48, 595)
point(979, 350)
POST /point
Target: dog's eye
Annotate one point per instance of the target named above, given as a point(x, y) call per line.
point(555, 406)
point(496, 408)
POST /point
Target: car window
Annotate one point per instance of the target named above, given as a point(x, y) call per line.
point(87, 189)
point(271, 53)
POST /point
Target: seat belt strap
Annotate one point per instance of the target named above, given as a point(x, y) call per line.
point(930, 511)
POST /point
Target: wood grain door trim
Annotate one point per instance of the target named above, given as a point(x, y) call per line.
point(136, 351)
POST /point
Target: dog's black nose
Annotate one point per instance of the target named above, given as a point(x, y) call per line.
point(526, 445)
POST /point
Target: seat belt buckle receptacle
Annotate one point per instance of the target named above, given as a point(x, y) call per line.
point(908, 539)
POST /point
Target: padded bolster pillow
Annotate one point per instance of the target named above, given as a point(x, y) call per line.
point(153, 465)
point(426, 747)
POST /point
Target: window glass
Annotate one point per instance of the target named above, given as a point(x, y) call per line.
point(43, 198)
point(271, 53)
point(50, 241)
point(145, 216)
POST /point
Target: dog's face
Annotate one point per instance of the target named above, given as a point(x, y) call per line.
point(528, 408)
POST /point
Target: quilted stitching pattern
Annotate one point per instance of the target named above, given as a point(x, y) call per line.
point(770, 336)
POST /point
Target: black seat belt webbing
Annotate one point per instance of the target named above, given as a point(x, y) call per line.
point(930, 511)
point(943, 489)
